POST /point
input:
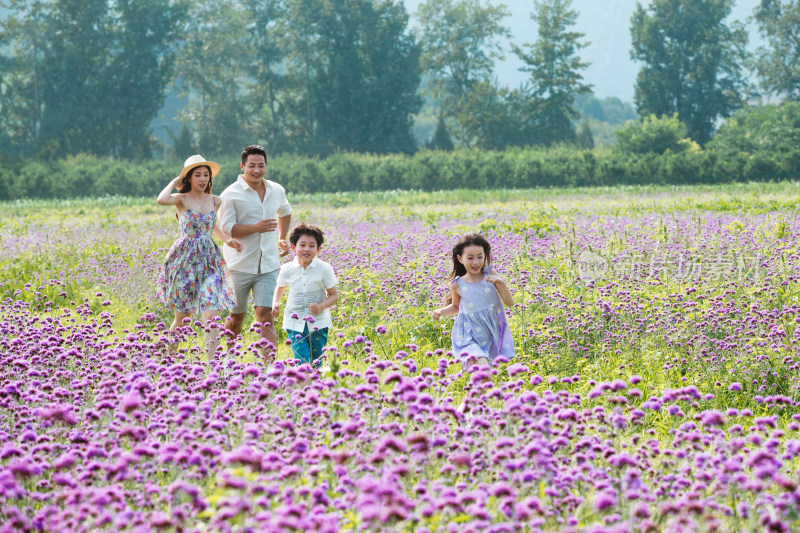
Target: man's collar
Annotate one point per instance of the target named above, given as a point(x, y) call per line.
point(246, 185)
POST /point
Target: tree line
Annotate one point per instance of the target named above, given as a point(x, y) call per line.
point(315, 77)
point(759, 143)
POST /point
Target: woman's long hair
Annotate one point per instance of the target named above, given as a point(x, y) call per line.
point(470, 239)
point(186, 181)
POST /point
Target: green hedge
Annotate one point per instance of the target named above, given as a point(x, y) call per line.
point(84, 175)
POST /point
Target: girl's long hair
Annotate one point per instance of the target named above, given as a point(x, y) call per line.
point(186, 182)
point(469, 239)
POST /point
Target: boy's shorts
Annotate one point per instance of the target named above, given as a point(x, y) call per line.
point(307, 347)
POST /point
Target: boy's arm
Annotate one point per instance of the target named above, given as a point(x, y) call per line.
point(276, 300)
point(330, 299)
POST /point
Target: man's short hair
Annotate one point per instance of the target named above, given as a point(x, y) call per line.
point(253, 149)
point(306, 229)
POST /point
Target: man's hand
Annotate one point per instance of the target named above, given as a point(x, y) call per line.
point(284, 247)
point(266, 225)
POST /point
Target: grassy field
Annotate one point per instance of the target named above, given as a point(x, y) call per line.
point(654, 388)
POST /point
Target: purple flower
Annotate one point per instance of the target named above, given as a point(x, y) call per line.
point(605, 499)
point(516, 368)
point(712, 418)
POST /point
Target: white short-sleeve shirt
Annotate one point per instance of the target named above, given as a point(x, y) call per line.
point(242, 205)
point(306, 285)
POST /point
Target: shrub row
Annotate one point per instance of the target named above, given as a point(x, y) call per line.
point(84, 175)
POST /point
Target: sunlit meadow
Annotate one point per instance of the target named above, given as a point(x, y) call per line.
point(655, 384)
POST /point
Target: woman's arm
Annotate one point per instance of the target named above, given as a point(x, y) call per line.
point(165, 197)
point(233, 243)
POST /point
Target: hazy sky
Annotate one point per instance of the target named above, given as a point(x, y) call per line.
point(606, 25)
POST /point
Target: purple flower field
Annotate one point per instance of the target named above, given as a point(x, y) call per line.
point(654, 389)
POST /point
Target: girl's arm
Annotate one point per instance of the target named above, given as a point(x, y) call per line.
point(502, 288)
point(332, 297)
point(166, 197)
point(451, 309)
point(233, 243)
point(276, 300)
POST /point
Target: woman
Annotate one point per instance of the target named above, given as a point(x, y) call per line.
point(193, 276)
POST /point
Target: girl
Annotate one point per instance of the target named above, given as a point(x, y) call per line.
point(477, 294)
point(193, 276)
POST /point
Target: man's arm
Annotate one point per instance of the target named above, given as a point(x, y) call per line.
point(283, 229)
point(262, 226)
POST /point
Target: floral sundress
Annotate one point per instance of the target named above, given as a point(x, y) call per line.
point(194, 276)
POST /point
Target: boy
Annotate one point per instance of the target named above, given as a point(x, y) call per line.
point(312, 291)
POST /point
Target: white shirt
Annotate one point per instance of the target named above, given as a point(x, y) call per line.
point(242, 205)
point(306, 285)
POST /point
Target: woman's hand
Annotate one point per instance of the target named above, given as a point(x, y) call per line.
point(233, 243)
point(437, 314)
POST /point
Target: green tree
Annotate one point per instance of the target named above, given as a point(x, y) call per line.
point(140, 68)
point(264, 67)
point(778, 63)
point(555, 69)
point(485, 116)
point(213, 76)
point(301, 36)
point(759, 143)
point(183, 142)
point(653, 135)
point(21, 38)
point(585, 138)
point(365, 88)
point(441, 137)
point(87, 75)
point(460, 41)
point(770, 129)
point(692, 62)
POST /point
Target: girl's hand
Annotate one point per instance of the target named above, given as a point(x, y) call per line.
point(315, 308)
point(495, 279)
point(437, 314)
point(233, 243)
point(276, 309)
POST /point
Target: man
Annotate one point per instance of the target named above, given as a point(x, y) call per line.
point(252, 209)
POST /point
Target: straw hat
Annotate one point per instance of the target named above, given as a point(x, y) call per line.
point(198, 160)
